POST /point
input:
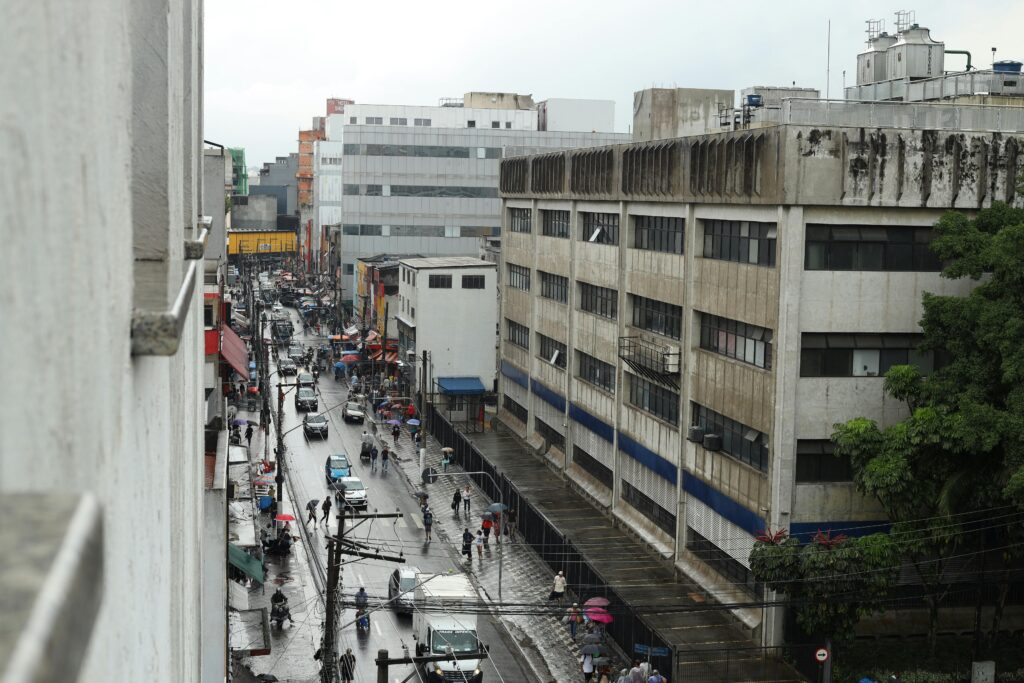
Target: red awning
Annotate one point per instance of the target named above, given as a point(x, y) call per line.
point(212, 338)
point(233, 350)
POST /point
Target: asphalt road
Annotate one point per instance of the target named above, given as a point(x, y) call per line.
point(386, 493)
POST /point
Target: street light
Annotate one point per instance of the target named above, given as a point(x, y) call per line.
point(501, 517)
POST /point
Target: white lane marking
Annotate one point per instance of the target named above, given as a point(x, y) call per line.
point(415, 521)
point(376, 627)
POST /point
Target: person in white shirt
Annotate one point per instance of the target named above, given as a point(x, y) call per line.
point(558, 588)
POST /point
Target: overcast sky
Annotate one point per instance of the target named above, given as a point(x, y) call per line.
point(270, 65)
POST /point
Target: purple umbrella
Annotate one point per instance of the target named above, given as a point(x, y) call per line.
point(414, 422)
point(394, 422)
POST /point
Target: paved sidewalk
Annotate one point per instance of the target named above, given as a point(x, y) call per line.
point(525, 577)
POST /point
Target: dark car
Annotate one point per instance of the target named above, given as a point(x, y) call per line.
point(296, 353)
point(286, 366)
point(315, 424)
point(305, 379)
point(401, 583)
point(336, 467)
point(305, 399)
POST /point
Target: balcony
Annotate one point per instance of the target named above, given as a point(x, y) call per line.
point(656, 362)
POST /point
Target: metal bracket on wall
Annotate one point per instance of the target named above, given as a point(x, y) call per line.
point(158, 333)
point(195, 249)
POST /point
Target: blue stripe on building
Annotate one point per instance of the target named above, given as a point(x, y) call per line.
point(648, 458)
point(515, 374)
point(723, 505)
point(599, 427)
point(550, 397)
point(805, 531)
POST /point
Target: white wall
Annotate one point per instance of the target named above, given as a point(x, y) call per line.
point(128, 429)
point(561, 114)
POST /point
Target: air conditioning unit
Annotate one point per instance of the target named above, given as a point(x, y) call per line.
point(695, 434)
point(712, 442)
point(670, 360)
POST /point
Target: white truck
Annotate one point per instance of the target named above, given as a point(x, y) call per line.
point(444, 623)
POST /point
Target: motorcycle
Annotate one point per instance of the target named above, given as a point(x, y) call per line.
point(363, 621)
point(279, 611)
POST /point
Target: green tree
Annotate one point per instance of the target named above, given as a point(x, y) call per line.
point(947, 471)
point(831, 582)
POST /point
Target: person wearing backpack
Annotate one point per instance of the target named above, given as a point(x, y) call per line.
point(428, 521)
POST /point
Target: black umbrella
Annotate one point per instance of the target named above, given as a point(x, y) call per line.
point(313, 503)
point(591, 649)
point(423, 495)
point(591, 638)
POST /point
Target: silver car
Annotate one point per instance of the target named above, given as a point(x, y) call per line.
point(350, 492)
point(400, 589)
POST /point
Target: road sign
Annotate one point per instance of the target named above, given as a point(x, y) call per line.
point(821, 655)
point(642, 649)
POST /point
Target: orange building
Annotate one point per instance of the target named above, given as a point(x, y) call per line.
point(304, 176)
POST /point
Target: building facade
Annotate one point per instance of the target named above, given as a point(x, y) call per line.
point(685, 319)
point(115, 272)
point(278, 179)
point(407, 179)
point(446, 308)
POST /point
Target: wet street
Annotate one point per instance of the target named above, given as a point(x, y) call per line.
point(387, 493)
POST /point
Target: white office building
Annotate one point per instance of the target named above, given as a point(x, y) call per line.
point(411, 179)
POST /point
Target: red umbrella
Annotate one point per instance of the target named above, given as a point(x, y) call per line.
point(597, 602)
point(284, 518)
point(350, 358)
point(599, 614)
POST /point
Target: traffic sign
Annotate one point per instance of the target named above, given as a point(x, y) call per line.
point(821, 655)
point(641, 649)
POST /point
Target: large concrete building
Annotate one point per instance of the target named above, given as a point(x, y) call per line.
point(277, 178)
point(685, 319)
point(410, 179)
point(102, 426)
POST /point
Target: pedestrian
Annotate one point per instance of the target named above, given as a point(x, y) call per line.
point(486, 525)
point(467, 545)
point(509, 527)
point(428, 521)
point(465, 499)
point(645, 669)
point(326, 507)
point(384, 457)
point(248, 436)
point(657, 678)
point(396, 431)
point(479, 543)
point(636, 674)
point(416, 439)
point(573, 617)
point(311, 510)
point(587, 665)
point(373, 458)
point(623, 676)
point(456, 501)
point(558, 588)
point(347, 666)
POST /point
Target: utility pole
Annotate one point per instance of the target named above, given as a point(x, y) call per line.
point(330, 655)
point(279, 476)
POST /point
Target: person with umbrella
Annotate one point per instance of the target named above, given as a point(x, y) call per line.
point(573, 617)
point(326, 507)
point(311, 510)
point(587, 666)
point(486, 525)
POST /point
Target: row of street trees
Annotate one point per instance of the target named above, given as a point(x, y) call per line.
point(950, 476)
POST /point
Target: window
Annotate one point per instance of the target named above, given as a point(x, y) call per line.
point(658, 233)
point(363, 230)
point(518, 277)
point(860, 355)
point(508, 124)
point(863, 247)
point(740, 241)
point(551, 350)
point(600, 228)
point(350, 188)
point(554, 287)
point(208, 315)
point(664, 519)
point(421, 122)
point(599, 300)
point(518, 334)
point(549, 434)
point(453, 191)
point(412, 311)
point(657, 316)
point(436, 281)
point(517, 410)
point(470, 124)
point(495, 124)
point(428, 151)
point(472, 281)
point(352, 119)
point(748, 343)
point(554, 223)
point(374, 191)
point(722, 562)
point(592, 466)
point(395, 121)
point(350, 268)
point(739, 441)
point(657, 400)
point(375, 120)
point(519, 220)
point(595, 371)
point(816, 462)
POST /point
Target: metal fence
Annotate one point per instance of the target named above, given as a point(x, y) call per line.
point(725, 665)
point(560, 554)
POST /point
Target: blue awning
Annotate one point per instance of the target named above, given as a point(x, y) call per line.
point(460, 385)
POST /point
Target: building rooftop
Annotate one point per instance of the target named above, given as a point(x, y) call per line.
point(446, 262)
point(380, 259)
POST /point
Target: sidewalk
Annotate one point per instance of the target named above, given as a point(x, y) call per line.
point(525, 577)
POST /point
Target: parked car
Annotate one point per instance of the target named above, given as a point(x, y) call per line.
point(315, 424)
point(350, 492)
point(402, 582)
point(286, 366)
point(353, 412)
point(305, 399)
point(336, 467)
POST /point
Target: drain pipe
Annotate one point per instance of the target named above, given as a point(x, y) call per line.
point(961, 52)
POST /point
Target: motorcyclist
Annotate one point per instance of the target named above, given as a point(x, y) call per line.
point(278, 597)
point(362, 599)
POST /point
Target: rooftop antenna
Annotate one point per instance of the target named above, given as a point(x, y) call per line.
point(993, 59)
point(828, 58)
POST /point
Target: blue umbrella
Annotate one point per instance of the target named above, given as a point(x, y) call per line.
point(339, 365)
point(394, 422)
point(414, 422)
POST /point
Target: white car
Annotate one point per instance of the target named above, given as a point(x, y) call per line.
point(350, 491)
point(353, 412)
